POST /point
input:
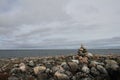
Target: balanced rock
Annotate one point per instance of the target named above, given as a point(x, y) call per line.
point(82, 51)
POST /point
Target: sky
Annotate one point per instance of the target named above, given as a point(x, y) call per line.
point(59, 24)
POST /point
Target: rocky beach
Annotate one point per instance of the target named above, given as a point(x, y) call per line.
point(83, 65)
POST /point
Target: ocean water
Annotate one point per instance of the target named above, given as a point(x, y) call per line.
point(41, 53)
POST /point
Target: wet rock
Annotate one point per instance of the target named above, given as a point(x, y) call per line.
point(85, 69)
point(60, 76)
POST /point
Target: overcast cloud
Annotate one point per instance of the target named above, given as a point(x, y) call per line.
point(63, 24)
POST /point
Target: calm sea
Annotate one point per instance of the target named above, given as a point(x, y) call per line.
point(34, 53)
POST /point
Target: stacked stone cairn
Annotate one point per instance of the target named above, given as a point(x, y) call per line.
point(83, 66)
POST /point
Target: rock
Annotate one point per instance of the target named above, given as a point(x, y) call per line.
point(111, 64)
point(80, 75)
point(42, 76)
point(94, 71)
point(73, 66)
point(13, 78)
point(118, 60)
point(85, 69)
point(57, 68)
point(60, 76)
point(22, 67)
point(102, 69)
point(95, 63)
point(31, 64)
point(82, 51)
point(4, 76)
point(15, 71)
point(83, 60)
point(68, 73)
point(16, 66)
point(89, 55)
point(39, 69)
point(74, 78)
point(65, 66)
point(47, 70)
point(76, 61)
point(86, 78)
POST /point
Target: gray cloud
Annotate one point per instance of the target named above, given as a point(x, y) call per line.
point(59, 24)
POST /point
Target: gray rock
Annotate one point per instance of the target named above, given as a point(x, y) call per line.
point(15, 71)
point(95, 63)
point(42, 76)
point(68, 73)
point(102, 69)
point(73, 66)
point(80, 75)
point(85, 69)
point(16, 66)
point(89, 55)
point(65, 66)
point(76, 61)
point(74, 78)
point(111, 64)
point(94, 71)
point(86, 78)
point(13, 78)
point(31, 64)
point(57, 68)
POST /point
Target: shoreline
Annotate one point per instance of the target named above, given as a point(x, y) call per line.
point(80, 66)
